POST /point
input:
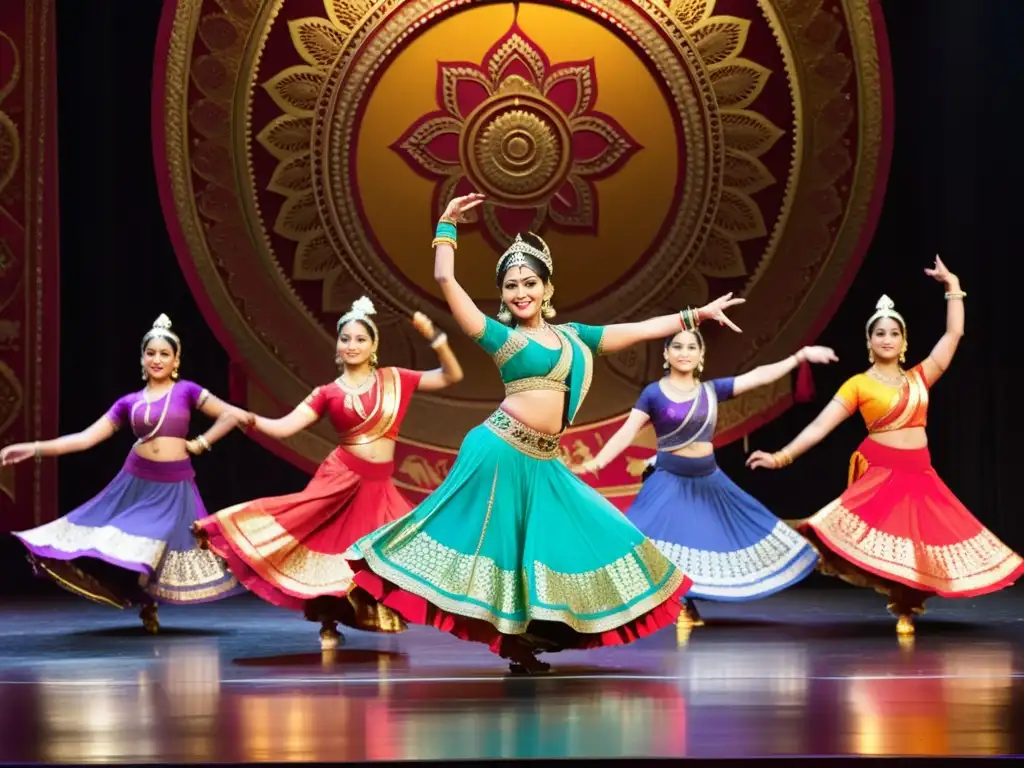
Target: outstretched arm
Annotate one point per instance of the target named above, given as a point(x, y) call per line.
point(299, 419)
point(832, 416)
point(766, 374)
point(99, 431)
point(213, 406)
point(942, 353)
point(450, 371)
point(464, 309)
point(616, 444)
point(623, 335)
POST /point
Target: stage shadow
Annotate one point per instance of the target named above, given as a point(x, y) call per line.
point(341, 657)
point(127, 631)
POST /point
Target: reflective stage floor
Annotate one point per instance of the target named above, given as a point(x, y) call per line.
point(808, 672)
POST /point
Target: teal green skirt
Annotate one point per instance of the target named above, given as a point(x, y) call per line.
point(513, 544)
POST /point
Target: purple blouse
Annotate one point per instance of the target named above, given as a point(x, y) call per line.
point(167, 416)
point(677, 424)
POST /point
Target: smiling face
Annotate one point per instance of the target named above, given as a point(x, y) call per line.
point(685, 352)
point(159, 360)
point(355, 344)
point(886, 340)
point(522, 291)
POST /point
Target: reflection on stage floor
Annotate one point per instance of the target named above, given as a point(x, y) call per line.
point(803, 673)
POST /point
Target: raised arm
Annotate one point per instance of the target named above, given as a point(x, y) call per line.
point(100, 430)
point(464, 309)
point(623, 335)
point(766, 374)
point(942, 353)
point(834, 414)
point(616, 444)
point(450, 371)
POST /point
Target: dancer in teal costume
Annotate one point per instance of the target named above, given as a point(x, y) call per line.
point(512, 549)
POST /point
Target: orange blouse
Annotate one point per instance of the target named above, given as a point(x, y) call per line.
point(885, 408)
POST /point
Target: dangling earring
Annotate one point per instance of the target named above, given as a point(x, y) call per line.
point(504, 315)
point(373, 360)
point(144, 376)
point(665, 365)
point(700, 366)
point(546, 310)
point(903, 353)
point(174, 374)
point(871, 355)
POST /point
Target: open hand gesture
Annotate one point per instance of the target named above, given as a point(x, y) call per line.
point(941, 272)
point(459, 206)
point(585, 467)
point(16, 453)
point(818, 355)
point(423, 324)
point(761, 459)
point(716, 310)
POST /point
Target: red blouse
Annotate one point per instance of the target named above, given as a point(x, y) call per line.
point(375, 414)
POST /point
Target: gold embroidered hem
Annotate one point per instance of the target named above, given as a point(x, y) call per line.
point(524, 439)
point(534, 383)
point(490, 593)
point(972, 566)
point(72, 578)
point(277, 557)
point(72, 539)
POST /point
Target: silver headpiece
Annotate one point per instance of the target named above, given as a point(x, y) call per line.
point(885, 308)
point(517, 253)
point(362, 308)
point(161, 329)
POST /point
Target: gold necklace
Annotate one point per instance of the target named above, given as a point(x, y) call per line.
point(353, 394)
point(891, 381)
point(532, 331)
point(678, 391)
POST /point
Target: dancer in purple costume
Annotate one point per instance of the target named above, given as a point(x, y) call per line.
point(732, 547)
point(132, 543)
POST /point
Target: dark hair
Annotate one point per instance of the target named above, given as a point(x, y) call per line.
point(366, 325)
point(877, 320)
point(532, 262)
point(153, 336)
point(695, 332)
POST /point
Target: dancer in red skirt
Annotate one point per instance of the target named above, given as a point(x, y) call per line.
point(898, 528)
point(289, 549)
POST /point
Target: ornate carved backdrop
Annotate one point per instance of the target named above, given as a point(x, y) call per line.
point(666, 149)
point(29, 307)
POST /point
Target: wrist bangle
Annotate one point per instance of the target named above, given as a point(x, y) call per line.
point(689, 318)
point(446, 233)
point(441, 338)
point(203, 443)
point(38, 450)
point(782, 458)
point(955, 295)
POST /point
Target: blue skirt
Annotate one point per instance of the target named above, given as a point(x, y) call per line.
point(732, 547)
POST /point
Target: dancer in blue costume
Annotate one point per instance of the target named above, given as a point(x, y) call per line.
point(511, 549)
point(725, 540)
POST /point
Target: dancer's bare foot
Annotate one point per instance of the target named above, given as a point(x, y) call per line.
point(150, 619)
point(689, 616)
point(330, 637)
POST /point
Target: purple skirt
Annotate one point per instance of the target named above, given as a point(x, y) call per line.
point(140, 523)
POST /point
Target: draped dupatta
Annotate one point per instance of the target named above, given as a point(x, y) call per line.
point(381, 417)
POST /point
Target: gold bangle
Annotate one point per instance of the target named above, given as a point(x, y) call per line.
point(782, 458)
point(955, 295)
point(444, 241)
point(441, 338)
point(448, 220)
point(204, 443)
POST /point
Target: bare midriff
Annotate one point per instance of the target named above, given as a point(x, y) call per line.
point(909, 439)
point(380, 451)
point(539, 409)
point(163, 449)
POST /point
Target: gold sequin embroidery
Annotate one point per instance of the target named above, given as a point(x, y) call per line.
point(537, 445)
point(515, 344)
point(976, 563)
point(68, 537)
point(534, 383)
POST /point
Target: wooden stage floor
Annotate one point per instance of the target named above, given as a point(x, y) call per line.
point(810, 672)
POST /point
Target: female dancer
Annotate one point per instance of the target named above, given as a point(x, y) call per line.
point(726, 541)
point(289, 550)
point(897, 527)
point(140, 523)
point(512, 550)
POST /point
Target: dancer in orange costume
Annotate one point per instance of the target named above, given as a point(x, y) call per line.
point(289, 549)
point(897, 527)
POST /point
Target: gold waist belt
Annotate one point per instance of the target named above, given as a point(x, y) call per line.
point(534, 383)
point(537, 445)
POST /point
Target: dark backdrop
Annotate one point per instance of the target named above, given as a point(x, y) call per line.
point(952, 189)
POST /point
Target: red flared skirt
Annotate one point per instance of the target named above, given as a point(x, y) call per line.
point(897, 521)
point(290, 549)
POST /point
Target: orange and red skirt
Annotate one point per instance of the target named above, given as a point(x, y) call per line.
point(898, 528)
point(289, 550)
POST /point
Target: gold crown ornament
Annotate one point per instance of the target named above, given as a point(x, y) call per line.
point(517, 253)
point(162, 329)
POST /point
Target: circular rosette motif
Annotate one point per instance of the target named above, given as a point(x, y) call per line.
point(667, 151)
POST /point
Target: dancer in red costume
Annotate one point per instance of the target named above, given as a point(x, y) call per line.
point(898, 528)
point(289, 549)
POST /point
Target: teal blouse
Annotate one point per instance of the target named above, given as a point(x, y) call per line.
point(527, 365)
